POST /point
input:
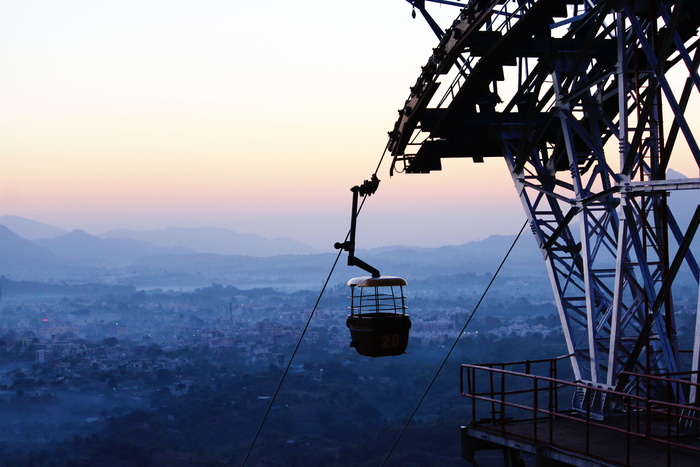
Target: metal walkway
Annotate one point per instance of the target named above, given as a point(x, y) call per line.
point(515, 410)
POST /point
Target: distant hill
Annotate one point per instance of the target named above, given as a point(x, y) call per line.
point(20, 257)
point(482, 256)
point(160, 258)
point(29, 229)
point(178, 257)
point(174, 240)
point(81, 248)
point(215, 240)
point(682, 202)
point(307, 271)
point(673, 175)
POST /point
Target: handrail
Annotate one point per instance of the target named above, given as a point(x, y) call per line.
point(524, 362)
point(642, 414)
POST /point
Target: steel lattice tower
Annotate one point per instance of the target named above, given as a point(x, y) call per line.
point(587, 101)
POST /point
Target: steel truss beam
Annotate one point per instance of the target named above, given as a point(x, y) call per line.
point(580, 125)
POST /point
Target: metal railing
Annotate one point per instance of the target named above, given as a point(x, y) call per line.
point(507, 396)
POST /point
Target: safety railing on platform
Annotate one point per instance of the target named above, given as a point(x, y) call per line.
point(503, 394)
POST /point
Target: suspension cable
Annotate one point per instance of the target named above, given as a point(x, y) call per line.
point(291, 358)
point(454, 344)
point(303, 332)
point(381, 159)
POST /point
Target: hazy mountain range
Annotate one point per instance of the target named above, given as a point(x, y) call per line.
point(80, 258)
point(177, 257)
point(181, 257)
point(36, 251)
point(169, 240)
point(213, 240)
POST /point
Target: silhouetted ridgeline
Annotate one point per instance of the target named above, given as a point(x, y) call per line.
point(78, 257)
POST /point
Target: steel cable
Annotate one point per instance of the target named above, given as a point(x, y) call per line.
point(454, 344)
point(291, 359)
point(303, 332)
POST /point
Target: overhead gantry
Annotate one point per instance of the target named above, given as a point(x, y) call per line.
point(587, 102)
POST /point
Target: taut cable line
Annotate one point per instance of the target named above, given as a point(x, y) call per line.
point(303, 332)
point(454, 344)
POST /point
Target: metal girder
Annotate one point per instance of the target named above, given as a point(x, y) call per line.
point(579, 121)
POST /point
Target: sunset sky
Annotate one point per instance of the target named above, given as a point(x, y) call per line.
point(254, 116)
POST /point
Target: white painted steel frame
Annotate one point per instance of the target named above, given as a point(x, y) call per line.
point(556, 131)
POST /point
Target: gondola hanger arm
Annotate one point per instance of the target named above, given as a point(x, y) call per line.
point(368, 188)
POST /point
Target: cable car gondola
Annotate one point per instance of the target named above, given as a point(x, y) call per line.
point(378, 322)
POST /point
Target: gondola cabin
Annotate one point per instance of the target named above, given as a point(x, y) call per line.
point(378, 321)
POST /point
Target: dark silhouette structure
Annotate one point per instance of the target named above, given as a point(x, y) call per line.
point(587, 103)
